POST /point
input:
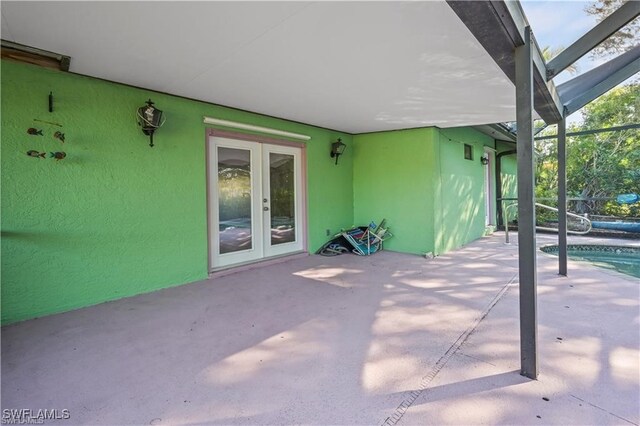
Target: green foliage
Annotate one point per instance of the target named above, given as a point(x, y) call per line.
point(600, 165)
point(605, 164)
point(611, 208)
point(546, 165)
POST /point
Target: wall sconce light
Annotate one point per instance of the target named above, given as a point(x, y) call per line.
point(337, 149)
point(484, 159)
point(149, 118)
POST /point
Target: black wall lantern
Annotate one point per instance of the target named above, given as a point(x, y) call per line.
point(484, 159)
point(149, 118)
point(337, 149)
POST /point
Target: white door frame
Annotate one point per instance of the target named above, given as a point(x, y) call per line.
point(212, 213)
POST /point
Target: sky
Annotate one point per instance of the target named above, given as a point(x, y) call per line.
point(558, 24)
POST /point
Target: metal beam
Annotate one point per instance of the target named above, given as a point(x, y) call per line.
point(499, 28)
point(526, 209)
point(562, 197)
point(583, 89)
point(593, 131)
point(612, 23)
point(545, 95)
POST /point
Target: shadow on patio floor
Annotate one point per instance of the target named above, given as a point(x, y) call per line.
point(317, 340)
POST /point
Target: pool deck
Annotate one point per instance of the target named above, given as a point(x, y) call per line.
point(386, 339)
point(589, 354)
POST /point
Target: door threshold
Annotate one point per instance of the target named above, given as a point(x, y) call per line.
point(245, 266)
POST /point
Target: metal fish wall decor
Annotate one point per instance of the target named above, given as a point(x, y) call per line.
point(36, 154)
point(58, 155)
point(34, 132)
point(59, 135)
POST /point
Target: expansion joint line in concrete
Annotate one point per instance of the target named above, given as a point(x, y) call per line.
point(602, 409)
point(426, 380)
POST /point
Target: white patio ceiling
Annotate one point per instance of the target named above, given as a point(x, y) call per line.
point(351, 66)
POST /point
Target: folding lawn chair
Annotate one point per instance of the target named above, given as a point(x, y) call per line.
point(367, 240)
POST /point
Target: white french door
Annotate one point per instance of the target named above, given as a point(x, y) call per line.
point(255, 202)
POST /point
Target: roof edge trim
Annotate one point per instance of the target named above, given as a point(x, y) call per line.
point(499, 27)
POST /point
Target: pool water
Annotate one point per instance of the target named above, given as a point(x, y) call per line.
point(622, 259)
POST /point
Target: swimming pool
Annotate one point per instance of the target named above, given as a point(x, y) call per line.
point(622, 259)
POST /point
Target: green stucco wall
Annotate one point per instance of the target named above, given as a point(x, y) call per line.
point(509, 169)
point(116, 217)
point(432, 198)
point(509, 177)
point(462, 188)
point(393, 178)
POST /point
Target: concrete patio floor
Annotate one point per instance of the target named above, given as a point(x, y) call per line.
point(386, 339)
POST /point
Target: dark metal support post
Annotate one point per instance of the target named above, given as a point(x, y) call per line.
point(562, 196)
point(526, 209)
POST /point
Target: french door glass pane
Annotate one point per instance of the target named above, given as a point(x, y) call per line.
point(234, 199)
point(283, 200)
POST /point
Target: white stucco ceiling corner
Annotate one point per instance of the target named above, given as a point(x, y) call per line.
point(351, 66)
